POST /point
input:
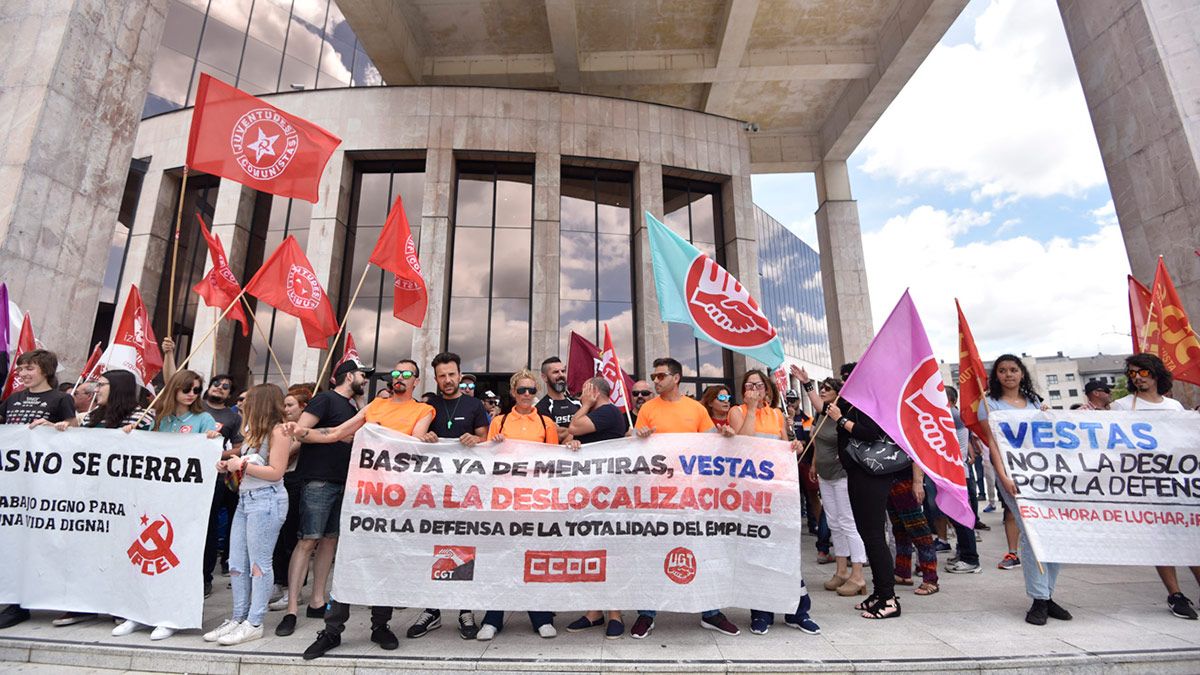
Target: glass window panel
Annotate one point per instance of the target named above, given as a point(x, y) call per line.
point(514, 201)
point(577, 214)
point(221, 46)
point(675, 211)
point(304, 41)
point(332, 80)
point(614, 206)
point(615, 284)
point(577, 316)
point(410, 186)
point(474, 201)
point(227, 78)
point(310, 12)
point(365, 72)
point(230, 12)
point(336, 26)
point(467, 335)
point(260, 65)
point(337, 59)
point(712, 359)
point(168, 81)
point(361, 324)
point(373, 199)
point(682, 347)
point(112, 270)
point(510, 335)
point(577, 266)
point(702, 218)
point(510, 274)
point(297, 73)
point(472, 255)
point(269, 23)
point(182, 29)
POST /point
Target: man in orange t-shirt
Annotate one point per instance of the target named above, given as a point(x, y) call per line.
point(673, 413)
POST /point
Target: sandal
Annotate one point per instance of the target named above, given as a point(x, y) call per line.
point(867, 604)
point(927, 588)
point(883, 609)
point(902, 581)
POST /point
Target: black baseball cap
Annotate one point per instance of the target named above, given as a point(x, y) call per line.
point(1094, 385)
point(350, 366)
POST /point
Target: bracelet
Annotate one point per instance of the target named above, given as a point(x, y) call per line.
point(842, 422)
point(808, 386)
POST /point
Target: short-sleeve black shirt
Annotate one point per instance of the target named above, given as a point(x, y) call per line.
point(455, 417)
point(561, 411)
point(326, 461)
point(610, 423)
point(229, 423)
point(24, 407)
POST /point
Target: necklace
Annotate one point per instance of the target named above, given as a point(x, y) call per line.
point(450, 414)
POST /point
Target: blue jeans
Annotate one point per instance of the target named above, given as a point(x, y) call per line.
point(256, 524)
point(1039, 583)
point(653, 613)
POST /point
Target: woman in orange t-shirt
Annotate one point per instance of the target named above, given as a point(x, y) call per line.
point(522, 423)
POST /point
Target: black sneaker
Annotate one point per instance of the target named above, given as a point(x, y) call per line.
point(324, 642)
point(1037, 613)
point(467, 629)
point(1178, 602)
point(286, 626)
point(428, 620)
point(207, 588)
point(1057, 611)
point(13, 615)
point(384, 637)
point(315, 612)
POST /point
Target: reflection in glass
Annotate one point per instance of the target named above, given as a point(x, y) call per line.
point(510, 335)
point(514, 201)
point(288, 217)
point(577, 266)
point(474, 207)
point(471, 272)
point(789, 277)
point(467, 336)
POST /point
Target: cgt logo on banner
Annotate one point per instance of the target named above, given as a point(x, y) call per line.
point(1108, 488)
point(679, 522)
point(76, 509)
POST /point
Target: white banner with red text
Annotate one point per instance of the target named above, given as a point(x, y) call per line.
point(97, 520)
point(675, 522)
point(1109, 488)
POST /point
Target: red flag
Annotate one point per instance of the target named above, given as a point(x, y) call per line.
point(610, 370)
point(583, 362)
point(972, 379)
point(1169, 334)
point(134, 347)
point(287, 282)
point(349, 351)
point(397, 253)
point(219, 288)
point(1139, 310)
point(245, 139)
point(781, 381)
point(25, 343)
point(87, 374)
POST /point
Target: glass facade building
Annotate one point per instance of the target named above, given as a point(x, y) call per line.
point(789, 281)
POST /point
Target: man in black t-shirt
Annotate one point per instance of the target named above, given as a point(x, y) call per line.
point(39, 399)
point(597, 418)
point(461, 416)
point(556, 404)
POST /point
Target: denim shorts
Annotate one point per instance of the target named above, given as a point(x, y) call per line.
point(320, 509)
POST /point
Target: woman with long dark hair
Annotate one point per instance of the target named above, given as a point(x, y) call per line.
point(717, 400)
point(1010, 388)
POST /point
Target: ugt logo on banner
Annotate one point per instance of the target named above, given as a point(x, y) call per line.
point(151, 551)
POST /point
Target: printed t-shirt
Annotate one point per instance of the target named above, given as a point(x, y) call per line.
point(561, 410)
point(229, 423)
point(398, 415)
point(1127, 403)
point(24, 407)
point(610, 423)
point(531, 426)
point(685, 416)
point(455, 417)
point(329, 462)
point(768, 422)
point(188, 423)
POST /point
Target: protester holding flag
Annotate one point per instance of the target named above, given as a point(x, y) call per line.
point(717, 400)
point(1150, 381)
point(1010, 388)
point(262, 507)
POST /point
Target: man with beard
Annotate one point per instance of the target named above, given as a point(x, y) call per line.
point(458, 415)
point(229, 423)
point(322, 471)
point(1099, 395)
point(556, 404)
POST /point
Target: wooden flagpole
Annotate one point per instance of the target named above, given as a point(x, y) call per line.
point(321, 384)
point(270, 350)
point(175, 252)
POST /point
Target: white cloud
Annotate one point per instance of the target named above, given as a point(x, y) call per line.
point(1003, 117)
point(1105, 215)
point(806, 229)
point(1019, 294)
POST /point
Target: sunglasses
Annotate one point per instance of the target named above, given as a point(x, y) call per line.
point(755, 385)
point(403, 374)
point(527, 390)
point(1142, 372)
point(659, 376)
point(197, 390)
point(723, 398)
point(642, 393)
point(223, 385)
point(467, 385)
point(824, 387)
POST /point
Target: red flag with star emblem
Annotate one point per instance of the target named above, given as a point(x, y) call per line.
point(287, 282)
point(219, 287)
point(245, 139)
point(396, 252)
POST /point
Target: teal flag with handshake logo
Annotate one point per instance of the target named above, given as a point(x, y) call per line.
point(693, 289)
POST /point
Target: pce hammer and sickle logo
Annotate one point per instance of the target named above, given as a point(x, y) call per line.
point(151, 551)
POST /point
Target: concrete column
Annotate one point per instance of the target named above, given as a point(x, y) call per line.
point(435, 256)
point(843, 270)
point(73, 79)
point(231, 223)
point(148, 239)
point(650, 333)
point(546, 200)
point(326, 250)
point(741, 248)
point(1139, 64)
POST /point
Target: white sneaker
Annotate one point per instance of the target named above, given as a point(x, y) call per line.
point(282, 602)
point(277, 592)
point(126, 627)
point(162, 633)
point(244, 632)
point(547, 630)
point(486, 632)
point(226, 626)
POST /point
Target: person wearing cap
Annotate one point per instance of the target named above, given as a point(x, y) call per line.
point(467, 384)
point(1099, 395)
point(322, 472)
point(491, 404)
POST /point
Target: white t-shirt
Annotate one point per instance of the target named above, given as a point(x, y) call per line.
point(1126, 403)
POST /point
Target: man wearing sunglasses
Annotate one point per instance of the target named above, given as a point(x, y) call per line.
point(640, 393)
point(467, 384)
point(399, 413)
point(557, 404)
point(673, 413)
point(1149, 382)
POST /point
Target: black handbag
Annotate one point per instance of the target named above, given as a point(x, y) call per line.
point(878, 458)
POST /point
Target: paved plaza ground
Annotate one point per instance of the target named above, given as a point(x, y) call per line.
point(975, 624)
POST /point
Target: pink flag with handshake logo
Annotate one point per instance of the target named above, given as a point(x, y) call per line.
point(897, 383)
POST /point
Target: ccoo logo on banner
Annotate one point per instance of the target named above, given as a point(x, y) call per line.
point(107, 522)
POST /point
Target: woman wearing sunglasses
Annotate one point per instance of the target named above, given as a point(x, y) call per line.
point(522, 423)
point(717, 401)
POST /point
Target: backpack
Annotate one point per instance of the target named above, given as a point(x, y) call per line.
point(546, 421)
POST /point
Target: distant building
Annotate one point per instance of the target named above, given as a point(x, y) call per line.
point(1060, 379)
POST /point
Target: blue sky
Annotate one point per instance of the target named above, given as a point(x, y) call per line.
point(983, 181)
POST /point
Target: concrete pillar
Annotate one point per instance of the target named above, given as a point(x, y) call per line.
point(435, 256)
point(326, 251)
point(73, 79)
point(741, 248)
point(650, 333)
point(843, 270)
point(148, 239)
point(1139, 64)
point(231, 223)
point(546, 200)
